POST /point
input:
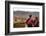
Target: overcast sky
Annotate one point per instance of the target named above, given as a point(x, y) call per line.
point(25, 13)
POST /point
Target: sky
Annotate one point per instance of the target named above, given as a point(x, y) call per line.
point(25, 13)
